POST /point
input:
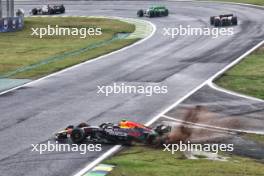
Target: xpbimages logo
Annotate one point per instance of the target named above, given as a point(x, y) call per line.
point(63, 31)
point(188, 146)
point(197, 31)
point(57, 147)
point(147, 90)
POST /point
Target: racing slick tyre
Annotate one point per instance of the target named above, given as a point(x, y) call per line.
point(51, 12)
point(226, 22)
point(217, 22)
point(151, 139)
point(159, 14)
point(34, 11)
point(83, 124)
point(77, 135)
point(212, 19)
point(62, 10)
point(162, 129)
point(166, 13)
point(69, 127)
point(140, 13)
point(234, 20)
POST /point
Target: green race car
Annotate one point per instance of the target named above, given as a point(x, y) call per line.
point(155, 11)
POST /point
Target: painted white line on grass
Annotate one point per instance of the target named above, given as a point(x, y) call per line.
point(107, 154)
point(229, 130)
point(220, 89)
point(232, 64)
point(86, 62)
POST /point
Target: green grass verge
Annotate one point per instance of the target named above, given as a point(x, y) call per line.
point(247, 77)
point(21, 49)
point(255, 2)
point(255, 137)
point(141, 161)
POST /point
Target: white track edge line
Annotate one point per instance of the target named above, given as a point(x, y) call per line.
point(220, 89)
point(88, 61)
point(228, 67)
point(213, 127)
point(232, 64)
point(211, 84)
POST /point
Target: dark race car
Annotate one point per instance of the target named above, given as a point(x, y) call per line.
point(125, 133)
point(223, 20)
point(48, 10)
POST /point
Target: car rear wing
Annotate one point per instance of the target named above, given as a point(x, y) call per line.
point(226, 15)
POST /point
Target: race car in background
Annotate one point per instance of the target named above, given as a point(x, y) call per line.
point(48, 10)
point(155, 11)
point(223, 20)
point(125, 133)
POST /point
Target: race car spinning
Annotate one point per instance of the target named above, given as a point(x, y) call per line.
point(125, 132)
point(223, 20)
point(48, 10)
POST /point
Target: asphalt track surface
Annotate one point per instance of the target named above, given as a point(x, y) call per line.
point(30, 115)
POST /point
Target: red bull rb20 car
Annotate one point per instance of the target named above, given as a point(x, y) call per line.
point(125, 132)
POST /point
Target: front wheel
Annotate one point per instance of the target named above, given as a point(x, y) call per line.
point(34, 11)
point(217, 22)
point(151, 139)
point(140, 13)
point(62, 10)
point(77, 135)
point(212, 19)
point(166, 13)
point(234, 20)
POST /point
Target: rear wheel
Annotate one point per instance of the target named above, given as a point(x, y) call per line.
point(77, 135)
point(158, 13)
point(83, 124)
point(34, 11)
point(212, 19)
point(62, 10)
point(162, 129)
point(140, 13)
point(151, 139)
point(69, 127)
point(234, 20)
point(51, 11)
point(217, 22)
point(166, 13)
